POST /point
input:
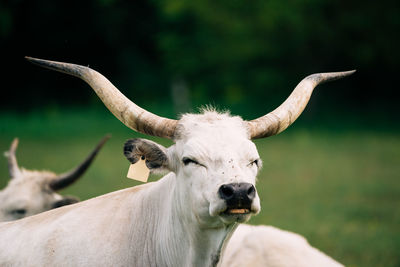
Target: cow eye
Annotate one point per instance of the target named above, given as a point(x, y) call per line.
point(18, 212)
point(187, 161)
point(255, 162)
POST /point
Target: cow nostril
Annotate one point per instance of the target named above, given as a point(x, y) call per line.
point(251, 192)
point(226, 191)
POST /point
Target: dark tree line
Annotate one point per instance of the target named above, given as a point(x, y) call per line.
point(243, 55)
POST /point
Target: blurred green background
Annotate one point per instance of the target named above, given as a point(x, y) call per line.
point(332, 177)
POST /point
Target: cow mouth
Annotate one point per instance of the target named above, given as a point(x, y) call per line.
point(239, 215)
point(236, 211)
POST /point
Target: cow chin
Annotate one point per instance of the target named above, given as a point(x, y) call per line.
point(235, 218)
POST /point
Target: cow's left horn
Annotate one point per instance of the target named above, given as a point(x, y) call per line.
point(68, 178)
point(125, 110)
point(283, 116)
point(13, 168)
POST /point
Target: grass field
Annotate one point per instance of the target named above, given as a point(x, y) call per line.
point(340, 189)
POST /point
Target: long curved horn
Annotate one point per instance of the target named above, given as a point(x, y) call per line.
point(13, 168)
point(125, 110)
point(283, 116)
point(68, 178)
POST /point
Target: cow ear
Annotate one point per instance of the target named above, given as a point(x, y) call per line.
point(68, 200)
point(154, 154)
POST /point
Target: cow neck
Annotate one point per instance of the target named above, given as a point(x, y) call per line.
point(180, 239)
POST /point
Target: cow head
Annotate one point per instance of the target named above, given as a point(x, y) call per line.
point(31, 192)
point(213, 158)
point(215, 165)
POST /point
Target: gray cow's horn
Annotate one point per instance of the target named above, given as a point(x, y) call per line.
point(13, 168)
point(68, 178)
point(283, 116)
point(125, 110)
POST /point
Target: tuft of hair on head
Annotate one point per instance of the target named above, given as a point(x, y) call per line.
point(213, 109)
point(207, 109)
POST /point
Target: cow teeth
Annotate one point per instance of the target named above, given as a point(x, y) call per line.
point(237, 211)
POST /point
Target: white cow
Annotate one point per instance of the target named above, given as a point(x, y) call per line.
point(267, 246)
point(253, 246)
point(31, 192)
point(182, 219)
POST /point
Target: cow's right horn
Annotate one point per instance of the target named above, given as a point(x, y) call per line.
point(125, 110)
point(283, 116)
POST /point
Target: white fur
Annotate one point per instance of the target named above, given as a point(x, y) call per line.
point(267, 246)
point(175, 221)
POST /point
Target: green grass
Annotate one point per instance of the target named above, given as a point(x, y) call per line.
point(339, 189)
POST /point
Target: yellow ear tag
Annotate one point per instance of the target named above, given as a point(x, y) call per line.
point(139, 171)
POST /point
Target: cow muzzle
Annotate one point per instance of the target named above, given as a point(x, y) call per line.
point(238, 197)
